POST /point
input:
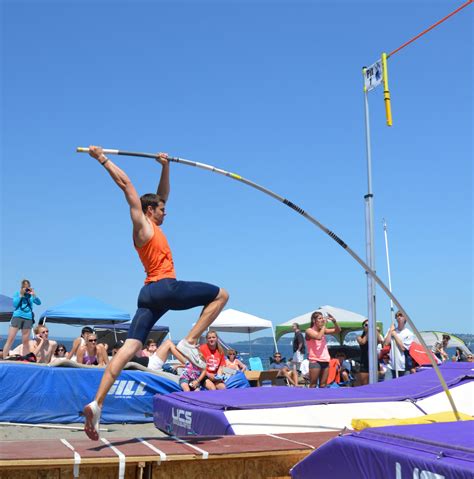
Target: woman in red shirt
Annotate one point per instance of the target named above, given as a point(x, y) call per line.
point(215, 360)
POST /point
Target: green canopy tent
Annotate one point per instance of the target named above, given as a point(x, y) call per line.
point(432, 337)
point(348, 321)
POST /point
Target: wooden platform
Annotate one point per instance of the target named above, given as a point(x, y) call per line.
point(260, 456)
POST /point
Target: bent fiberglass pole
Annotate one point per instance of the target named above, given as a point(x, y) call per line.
point(313, 220)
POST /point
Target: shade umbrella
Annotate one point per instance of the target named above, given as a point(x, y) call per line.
point(83, 310)
point(112, 333)
point(234, 321)
point(6, 308)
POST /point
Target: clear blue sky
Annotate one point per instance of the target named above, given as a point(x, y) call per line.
point(269, 90)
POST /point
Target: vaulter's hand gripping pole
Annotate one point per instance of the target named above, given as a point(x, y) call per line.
point(313, 220)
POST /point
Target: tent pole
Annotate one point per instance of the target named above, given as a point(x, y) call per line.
point(250, 345)
point(275, 341)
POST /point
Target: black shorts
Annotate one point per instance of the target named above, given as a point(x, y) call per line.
point(318, 365)
point(157, 298)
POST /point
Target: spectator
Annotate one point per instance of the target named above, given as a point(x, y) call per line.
point(79, 342)
point(470, 358)
point(41, 346)
point(459, 355)
point(150, 348)
point(318, 353)
point(385, 372)
point(400, 359)
point(299, 349)
point(91, 353)
point(191, 377)
point(440, 347)
point(362, 377)
point(22, 317)
point(233, 363)
point(59, 352)
point(345, 367)
point(283, 369)
point(159, 357)
point(215, 361)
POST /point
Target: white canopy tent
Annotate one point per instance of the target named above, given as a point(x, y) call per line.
point(233, 321)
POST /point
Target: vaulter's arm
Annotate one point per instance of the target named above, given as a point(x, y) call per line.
point(124, 183)
point(163, 190)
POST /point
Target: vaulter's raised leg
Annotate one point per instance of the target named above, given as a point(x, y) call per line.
point(189, 345)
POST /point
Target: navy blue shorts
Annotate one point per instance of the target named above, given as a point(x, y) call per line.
point(155, 299)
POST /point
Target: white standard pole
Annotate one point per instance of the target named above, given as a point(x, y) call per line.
point(393, 346)
point(392, 310)
point(369, 239)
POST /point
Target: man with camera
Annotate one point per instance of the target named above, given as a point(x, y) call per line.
point(22, 317)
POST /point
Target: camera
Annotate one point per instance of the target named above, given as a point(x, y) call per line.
point(28, 290)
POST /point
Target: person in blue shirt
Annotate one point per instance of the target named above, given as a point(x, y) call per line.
point(283, 369)
point(22, 317)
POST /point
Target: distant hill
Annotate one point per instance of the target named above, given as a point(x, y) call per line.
point(265, 340)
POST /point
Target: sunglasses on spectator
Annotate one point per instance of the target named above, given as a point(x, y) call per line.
point(231, 354)
point(61, 350)
point(92, 340)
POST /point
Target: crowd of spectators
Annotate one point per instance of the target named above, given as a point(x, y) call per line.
point(319, 369)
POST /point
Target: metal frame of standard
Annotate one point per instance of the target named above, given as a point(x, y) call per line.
point(313, 220)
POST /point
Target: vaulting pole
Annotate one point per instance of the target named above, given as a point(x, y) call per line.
point(313, 220)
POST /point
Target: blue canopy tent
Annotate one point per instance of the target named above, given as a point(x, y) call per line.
point(6, 308)
point(83, 310)
point(111, 333)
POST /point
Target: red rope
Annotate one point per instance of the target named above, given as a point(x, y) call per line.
point(430, 28)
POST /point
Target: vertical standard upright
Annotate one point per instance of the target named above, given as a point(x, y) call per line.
point(369, 243)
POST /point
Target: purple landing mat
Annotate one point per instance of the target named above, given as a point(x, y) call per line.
point(178, 420)
point(203, 412)
point(414, 386)
point(428, 451)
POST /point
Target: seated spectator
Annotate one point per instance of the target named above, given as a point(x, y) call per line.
point(79, 342)
point(346, 368)
point(283, 369)
point(59, 352)
point(92, 354)
point(159, 357)
point(470, 358)
point(215, 361)
point(41, 346)
point(191, 377)
point(150, 348)
point(233, 363)
point(439, 348)
point(385, 372)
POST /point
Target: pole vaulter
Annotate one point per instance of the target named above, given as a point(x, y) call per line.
point(313, 220)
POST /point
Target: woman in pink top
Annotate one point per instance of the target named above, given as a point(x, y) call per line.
point(232, 362)
point(318, 353)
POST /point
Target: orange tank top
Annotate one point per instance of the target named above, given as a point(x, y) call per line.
point(156, 257)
